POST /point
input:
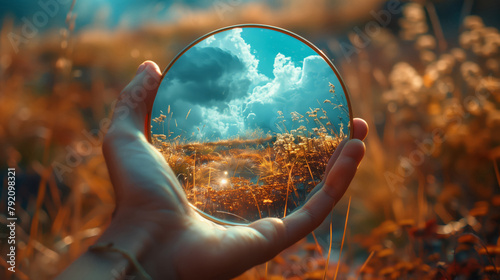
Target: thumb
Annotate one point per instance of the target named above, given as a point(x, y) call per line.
point(137, 98)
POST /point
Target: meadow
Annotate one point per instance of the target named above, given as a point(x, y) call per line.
point(256, 175)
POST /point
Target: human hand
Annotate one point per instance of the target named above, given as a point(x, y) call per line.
point(154, 222)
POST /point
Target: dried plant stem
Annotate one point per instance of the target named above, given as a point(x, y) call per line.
point(330, 248)
point(256, 203)
point(309, 168)
point(75, 247)
point(421, 214)
point(194, 170)
point(436, 26)
point(366, 262)
point(482, 244)
point(466, 9)
point(209, 175)
point(497, 172)
point(288, 190)
point(320, 251)
point(343, 238)
point(42, 186)
point(55, 193)
point(422, 204)
point(443, 214)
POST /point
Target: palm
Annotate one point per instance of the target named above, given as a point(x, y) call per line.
point(147, 189)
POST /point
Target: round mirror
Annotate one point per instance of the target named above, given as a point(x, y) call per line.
point(247, 117)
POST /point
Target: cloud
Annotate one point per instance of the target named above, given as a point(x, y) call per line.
point(209, 81)
point(294, 89)
point(232, 42)
point(209, 76)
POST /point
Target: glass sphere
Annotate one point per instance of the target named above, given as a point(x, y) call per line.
point(247, 117)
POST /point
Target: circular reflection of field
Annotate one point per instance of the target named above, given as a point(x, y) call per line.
point(247, 119)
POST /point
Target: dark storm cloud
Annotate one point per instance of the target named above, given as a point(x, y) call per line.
point(207, 76)
point(204, 78)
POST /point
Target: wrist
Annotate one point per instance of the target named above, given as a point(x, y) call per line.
point(121, 251)
point(128, 238)
point(144, 236)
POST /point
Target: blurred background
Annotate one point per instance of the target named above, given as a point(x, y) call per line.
point(425, 75)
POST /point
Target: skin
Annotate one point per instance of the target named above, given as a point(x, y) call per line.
point(154, 223)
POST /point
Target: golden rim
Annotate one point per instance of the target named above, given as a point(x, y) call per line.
point(147, 123)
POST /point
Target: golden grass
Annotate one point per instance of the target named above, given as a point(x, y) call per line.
point(329, 250)
point(343, 238)
point(261, 175)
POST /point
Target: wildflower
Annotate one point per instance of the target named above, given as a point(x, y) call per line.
point(425, 42)
point(406, 83)
point(427, 56)
point(473, 22)
point(459, 54)
point(471, 72)
point(493, 64)
point(413, 22)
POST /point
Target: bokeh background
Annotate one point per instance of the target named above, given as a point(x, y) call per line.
point(425, 75)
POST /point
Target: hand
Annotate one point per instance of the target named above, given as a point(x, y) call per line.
point(154, 222)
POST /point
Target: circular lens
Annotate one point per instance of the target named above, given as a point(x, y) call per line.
point(247, 117)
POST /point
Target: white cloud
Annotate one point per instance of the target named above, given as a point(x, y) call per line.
point(293, 89)
point(209, 40)
point(286, 77)
point(261, 106)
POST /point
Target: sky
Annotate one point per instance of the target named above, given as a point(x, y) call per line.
point(133, 13)
point(102, 13)
point(237, 81)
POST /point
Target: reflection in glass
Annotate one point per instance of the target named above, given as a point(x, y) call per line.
point(247, 119)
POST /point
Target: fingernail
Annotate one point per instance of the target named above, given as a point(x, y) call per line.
point(141, 68)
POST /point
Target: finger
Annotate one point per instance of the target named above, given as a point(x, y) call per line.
point(360, 132)
point(334, 158)
point(138, 171)
point(310, 216)
point(360, 128)
point(137, 98)
point(129, 116)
